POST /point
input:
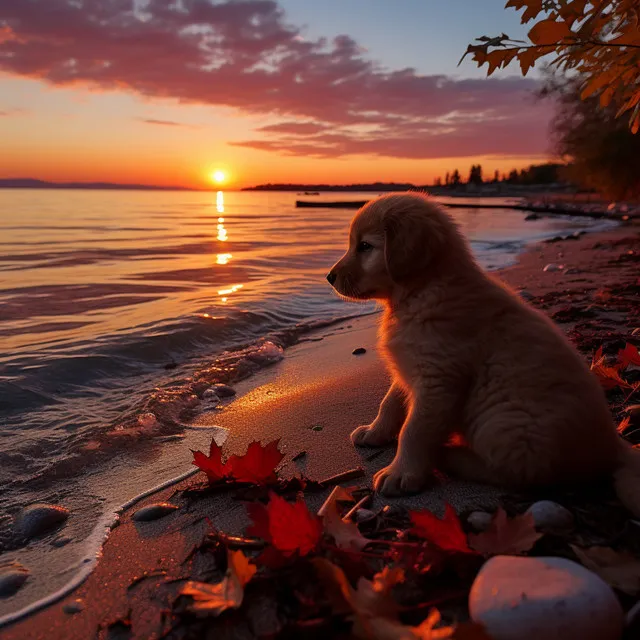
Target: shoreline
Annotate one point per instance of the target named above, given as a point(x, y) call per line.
point(316, 385)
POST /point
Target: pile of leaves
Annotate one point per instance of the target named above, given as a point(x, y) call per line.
point(346, 571)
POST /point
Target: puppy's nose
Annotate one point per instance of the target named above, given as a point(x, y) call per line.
point(331, 277)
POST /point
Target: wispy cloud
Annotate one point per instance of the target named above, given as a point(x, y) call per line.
point(12, 112)
point(166, 123)
point(332, 99)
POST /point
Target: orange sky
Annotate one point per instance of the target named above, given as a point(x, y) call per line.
point(82, 100)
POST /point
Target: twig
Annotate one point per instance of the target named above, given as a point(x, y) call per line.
point(349, 515)
point(343, 477)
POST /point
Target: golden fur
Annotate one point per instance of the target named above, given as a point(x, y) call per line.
point(467, 356)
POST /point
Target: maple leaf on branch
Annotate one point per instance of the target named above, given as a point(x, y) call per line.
point(506, 536)
point(214, 599)
point(446, 534)
point(289, 528)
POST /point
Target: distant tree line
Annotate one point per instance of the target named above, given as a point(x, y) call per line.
point(548, 173)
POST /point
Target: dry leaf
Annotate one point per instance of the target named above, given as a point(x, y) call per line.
point(346, 534)
point(506, 537)
point(214, 599)
point(629, 355)
point(447, 534)
point(619, 569)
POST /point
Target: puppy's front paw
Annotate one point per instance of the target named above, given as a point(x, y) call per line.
point(396, 481)
point(368, 436)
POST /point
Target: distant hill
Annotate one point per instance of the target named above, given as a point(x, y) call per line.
point(32, 183)
point(373, 186)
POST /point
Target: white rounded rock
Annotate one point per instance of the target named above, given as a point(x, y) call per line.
point(550, 516)
point(551, 598)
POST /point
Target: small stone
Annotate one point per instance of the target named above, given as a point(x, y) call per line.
point(525, 295)
point(154, 511)
point(224, 390)
point(210, 395)
point(61, 541)
point(552, 598)
point(532, 216)
point(317, 427)
point(363, 515)
point(37, 519)
point(550, 516)
point(12, 577)
point(359, 351)
point(636, 332)
point(479, 520)
point(75, 606)
point(552, 266)
point(148, 421)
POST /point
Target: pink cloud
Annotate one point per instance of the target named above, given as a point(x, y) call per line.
point(244, 54)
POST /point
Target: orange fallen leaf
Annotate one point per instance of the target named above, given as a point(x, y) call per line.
point(214, 599)
point(628, 355)
point(619, 569)
point(447, 534)
point(609, 377)
point(624, 425)
point(346, 534)
point(506, 536)
point(290, 528)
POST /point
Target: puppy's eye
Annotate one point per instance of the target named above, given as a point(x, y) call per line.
point(363, 246)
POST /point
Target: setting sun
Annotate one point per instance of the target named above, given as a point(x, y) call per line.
point(218, 176)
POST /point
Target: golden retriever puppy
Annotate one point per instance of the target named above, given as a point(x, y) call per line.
point(467, 356)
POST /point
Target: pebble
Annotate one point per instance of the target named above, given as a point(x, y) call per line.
point(210, 395)
point(12, 578)
point(61, 541)
point(224, 390)
point(37, 519)
point(552, 266)
point(363, 515)
point(636, 332)
point(551, 516)
point(148, 421)
point(75, 606)
point(479, 520)
point(154, 511)
point(525, 295)
point(359, 351)
point(552, 598)
point(533, 216)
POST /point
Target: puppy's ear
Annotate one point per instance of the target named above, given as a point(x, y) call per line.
point(413, 241)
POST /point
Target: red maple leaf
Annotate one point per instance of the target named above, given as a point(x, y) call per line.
point(447, 534)
point(258, 464)
point(290, 528)
point(628, 355)
point(212, 464)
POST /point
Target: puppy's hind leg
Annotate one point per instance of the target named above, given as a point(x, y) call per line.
point(386, 426)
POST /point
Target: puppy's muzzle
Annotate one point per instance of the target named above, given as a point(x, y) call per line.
point(331, 277)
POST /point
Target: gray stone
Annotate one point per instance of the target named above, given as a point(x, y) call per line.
point(551, 516)
point(61, 541)
point(363, 515)
point(75, 606)
point(37, 519)
point(552, 266)
point(224, 390)
point(552, 598)
point(479, 520)
point(210, 395)
point(359, 351)
point(154, 511)
point(12, 578)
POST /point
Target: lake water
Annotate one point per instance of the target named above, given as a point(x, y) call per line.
point(117, 308)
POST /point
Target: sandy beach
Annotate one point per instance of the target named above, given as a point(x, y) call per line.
point(311, 401)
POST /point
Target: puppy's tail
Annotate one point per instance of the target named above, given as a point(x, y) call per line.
point(626, 478)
